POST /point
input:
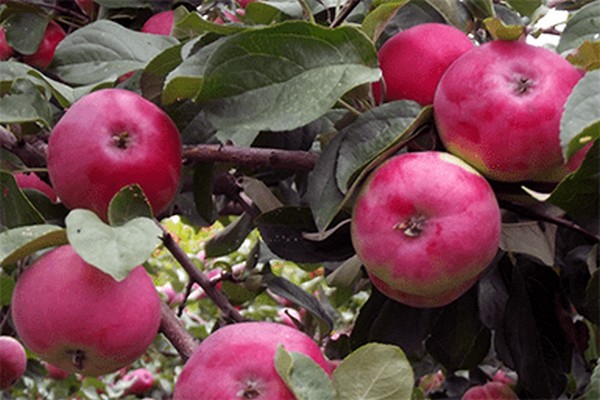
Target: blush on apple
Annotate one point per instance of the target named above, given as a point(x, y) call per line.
point(498, 107)
point(6, 51)
point(13, 361)
point(78, 318)
point(412, 61)
point(126, 140)
point(237, 362)
point(490, 391)
point(45, 53)
point(159, 24)
point(30, 180)
point(425, 226)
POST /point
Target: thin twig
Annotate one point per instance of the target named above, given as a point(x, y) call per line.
point(344, 12)
point(176, 333)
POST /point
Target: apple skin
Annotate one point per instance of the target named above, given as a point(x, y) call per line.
point(6, 51)
point(159, 24)
point(425, 226)
point(413, 61)
point(55, 373)
point(87, 6)
point(32, 181)
point(78, 318)
point(143, 381)
point(490, 391)
point(13, 361)
point(45, 53)
point(498, 107)
point(237, 362)
point(126, 140)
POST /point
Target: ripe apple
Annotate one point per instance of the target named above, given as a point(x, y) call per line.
point(13, 361)
point(6, 51)
point(109, 139)
point(30, 180)
point(425, 226)
point(87, 6)
point(490, 391)
point(498, 107)
point(412, 61)
point(43, 56)
point(143, 381)
point(237, 362)
point(54, 372)
point(159, 24)
point(80, 319)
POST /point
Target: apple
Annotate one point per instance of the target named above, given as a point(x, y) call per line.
point(498, 107)
point(87, 6)
point(126, 140)
point(30, 180)
point(78, 318)
point(43, 56)
point(490, 391)
point(413, 61)
point(13, 361)
point(159, 24)
point(6, 51)
point(425, 226)
point(237, 362)
point(55, 372)
point(288, 316)
point(143, 381)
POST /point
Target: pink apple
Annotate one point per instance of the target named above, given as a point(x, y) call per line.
point(6, 51)
point(78, 318)
point(237, 362)
point(54, 372)
point(499, 106)
point(412, 61)
point(143, 381)
point(159, 24)
point(126, 140)
point(30, 180)
point(490, 391)
point(425, 226)
point(13, 361)
point(45, 53)
point(287, 316)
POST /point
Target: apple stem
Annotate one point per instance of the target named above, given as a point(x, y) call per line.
point(413, 226)
point(122, 140)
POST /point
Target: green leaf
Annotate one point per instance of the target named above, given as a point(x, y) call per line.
point(7, 285)
point(155, 74)
point(586, 56)
point(500, 31)
point(375, 22)
point(529, 238)
point(580, 122)
point(230, 238)
point(103, 50)
point(129, 203)
point(481, 9)
point(23, 104)
point(21, 242)
point(374, 372)
point(282, 77)
point(453, 11)
point(203, 192)
point(193, 25)
point(114, 250)
point(305, 378)
point(295, 9)
point(126, 3)
point(15, 209)
point(581, 27)
point(525, 7)
point(594, 387)
point(24, 31)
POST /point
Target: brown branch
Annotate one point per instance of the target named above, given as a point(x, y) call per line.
point(220, 300)
point(33, 155)
point(344, 12)
point(548, 218)
point(251, 156)
point(180, 338)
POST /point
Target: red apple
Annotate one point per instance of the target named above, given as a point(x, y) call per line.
point(13, 361)
point(29, 180)
point(43, 56)
point(6, 51)
point(412, 61)
point(54, 372)
point(143, 381)
point(159, 24)
point(425, 226)
point(126, 140)
point(490, 391)
point(499, 106)
point(87, 6)
point(237, 362)
point(80, 319)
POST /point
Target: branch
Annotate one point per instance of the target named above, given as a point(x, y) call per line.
point(32, 155)
point(344, 12)
point(180, 338)
point(548, 218)
point(220, 300)
point(251, 156)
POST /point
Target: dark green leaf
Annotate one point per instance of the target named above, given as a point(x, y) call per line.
point(103, 50)
point(7, 285)
point(591, 310)
point(24, 31)
point(581, 27)
point(203, 189)
point(525, 7)
point(305, 378)
point(15, 209)
point(454, 12)
point(193, 24)
point(481, 9)
point(230, 238)
point(154, 75)
point(129, 203)
point(580, 122)
point(126, 3)
point(375, 22)
point(114, 250)
point(294, 8)
point(18, 243)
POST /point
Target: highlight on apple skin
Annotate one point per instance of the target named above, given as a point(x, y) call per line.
point(425, 225)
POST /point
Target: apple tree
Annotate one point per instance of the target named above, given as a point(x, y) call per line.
point(281, 199)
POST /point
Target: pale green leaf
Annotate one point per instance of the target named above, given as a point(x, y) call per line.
point(582, 26)
point(531, 237)
point(303, 376)
point(23, 241)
